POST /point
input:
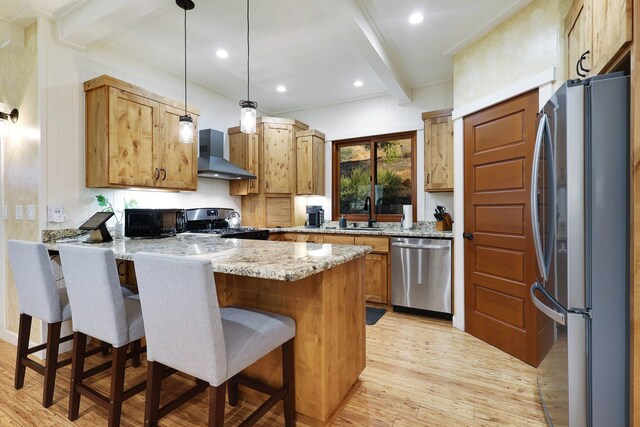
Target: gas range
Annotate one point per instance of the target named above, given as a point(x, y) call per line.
point(213, 221)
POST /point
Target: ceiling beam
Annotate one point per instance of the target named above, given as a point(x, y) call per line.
point(95, 19)
point(358, 26)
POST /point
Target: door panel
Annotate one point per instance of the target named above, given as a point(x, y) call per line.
point(500, 260)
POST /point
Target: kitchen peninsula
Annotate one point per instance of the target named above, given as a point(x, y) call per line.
point(320, 286)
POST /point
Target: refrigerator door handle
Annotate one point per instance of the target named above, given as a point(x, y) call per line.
point(535, 220)
point(559, 315)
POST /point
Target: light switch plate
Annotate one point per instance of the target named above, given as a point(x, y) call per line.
point(31, 212)
point(19, 212)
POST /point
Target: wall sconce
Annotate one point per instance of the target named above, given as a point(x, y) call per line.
point(4, 118)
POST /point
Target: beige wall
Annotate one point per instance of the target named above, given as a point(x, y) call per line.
point(20, 155)
point(528, 43)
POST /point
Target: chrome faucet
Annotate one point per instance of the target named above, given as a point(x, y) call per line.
point(369, 207)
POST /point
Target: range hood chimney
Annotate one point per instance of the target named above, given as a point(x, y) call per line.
point(211, 163)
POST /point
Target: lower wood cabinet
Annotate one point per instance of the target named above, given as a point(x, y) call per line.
point(376, 268)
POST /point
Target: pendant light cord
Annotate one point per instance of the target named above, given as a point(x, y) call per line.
point(185, 61)
point(248, 51)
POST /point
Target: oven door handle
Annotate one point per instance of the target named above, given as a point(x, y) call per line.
point(410, 246)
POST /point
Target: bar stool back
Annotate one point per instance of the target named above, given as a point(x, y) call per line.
point(189, 332)
point(38, 296)
point(100, 311)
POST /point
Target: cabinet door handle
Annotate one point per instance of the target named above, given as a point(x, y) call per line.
point(428, 176)
point(266, 184)
point(157, 174)
point(164, 174)
point(309, 185)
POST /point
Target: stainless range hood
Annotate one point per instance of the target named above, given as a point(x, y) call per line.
point(211, 164)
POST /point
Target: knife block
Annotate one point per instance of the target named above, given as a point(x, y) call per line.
point(445, 224)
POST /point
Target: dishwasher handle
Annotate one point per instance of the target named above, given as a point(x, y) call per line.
point(410, 246)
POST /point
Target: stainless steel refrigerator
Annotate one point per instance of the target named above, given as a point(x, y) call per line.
point(580, 219)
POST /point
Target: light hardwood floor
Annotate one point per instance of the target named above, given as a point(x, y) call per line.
point(420, 372)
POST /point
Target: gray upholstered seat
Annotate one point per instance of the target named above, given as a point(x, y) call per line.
point(38, 294)
point(101, 311)
point(188, 331)
point(99, 308)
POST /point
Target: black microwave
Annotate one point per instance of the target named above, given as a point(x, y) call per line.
point(152, 223)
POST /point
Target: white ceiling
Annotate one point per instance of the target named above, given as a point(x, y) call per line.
point(316, 48)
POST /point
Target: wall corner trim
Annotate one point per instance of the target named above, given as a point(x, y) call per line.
point(532, 82)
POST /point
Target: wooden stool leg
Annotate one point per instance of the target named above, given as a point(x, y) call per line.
point(119, 357)
point(288, 381)
point(152, 399)
point(77, 373)
point(24, 331)
point(232, 385)
point(51, 363)
point(216, 405)
point(135, 348)
point(105, 348)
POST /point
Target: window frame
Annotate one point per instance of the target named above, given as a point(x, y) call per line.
point(371, 140)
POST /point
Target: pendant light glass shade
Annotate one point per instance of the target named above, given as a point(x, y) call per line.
point(185, 125)
point(248, 116)
point(185, 129)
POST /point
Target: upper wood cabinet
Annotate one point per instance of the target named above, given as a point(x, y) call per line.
point(601, 27)
point(438, 150)
point(132, 139)
point(244, 151)
point(310, 162)
point(279, 158)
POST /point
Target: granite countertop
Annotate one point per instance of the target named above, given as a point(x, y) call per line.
point(422, 229)
point(287, 261)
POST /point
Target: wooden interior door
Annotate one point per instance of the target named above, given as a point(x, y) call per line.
point(500, 262)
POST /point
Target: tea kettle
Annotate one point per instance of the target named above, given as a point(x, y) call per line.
point(233, 220)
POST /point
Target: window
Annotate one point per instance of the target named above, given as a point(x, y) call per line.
point(379, 167)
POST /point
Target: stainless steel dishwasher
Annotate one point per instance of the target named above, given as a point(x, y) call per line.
point(421, 273)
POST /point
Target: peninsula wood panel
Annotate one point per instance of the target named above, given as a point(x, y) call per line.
point(279, 158)
point(500, 261)
point(330, 343)
point(438, 150)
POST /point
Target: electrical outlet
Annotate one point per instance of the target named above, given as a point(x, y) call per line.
point(19, 212)
point(5, 212)
point(31, 212)
point(55, 214)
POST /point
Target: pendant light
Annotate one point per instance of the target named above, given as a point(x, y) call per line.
point(248, 108)
point(185, 126)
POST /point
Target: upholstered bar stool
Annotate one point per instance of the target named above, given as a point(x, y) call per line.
point(100, 311)
point(187, 331)
point(39, 297)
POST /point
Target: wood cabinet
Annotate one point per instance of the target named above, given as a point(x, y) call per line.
point(310, 162)
point(438, 150)
point(244, 151)
point(603, 28)
point(132, 139)
point(279, 158)
point(376, 267)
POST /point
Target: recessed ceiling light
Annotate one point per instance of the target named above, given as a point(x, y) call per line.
point(416, 18)
point(358, 83)
point(221, 53)
point(281, 88)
